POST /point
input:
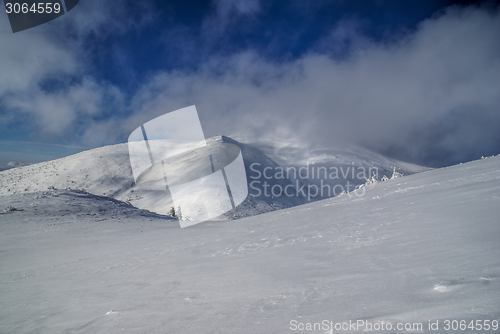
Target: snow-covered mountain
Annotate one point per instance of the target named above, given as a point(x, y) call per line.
point(106, 171)
point(413, 251)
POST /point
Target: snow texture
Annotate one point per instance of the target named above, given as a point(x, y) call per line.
point(411, 249)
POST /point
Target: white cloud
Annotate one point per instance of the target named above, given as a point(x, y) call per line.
point(28, 58)
point(31, 58)
point(385, 95)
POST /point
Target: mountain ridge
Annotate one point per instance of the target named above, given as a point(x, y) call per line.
point(106, 171)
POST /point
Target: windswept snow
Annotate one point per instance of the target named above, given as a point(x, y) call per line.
point(415, 249)
point(106, 171)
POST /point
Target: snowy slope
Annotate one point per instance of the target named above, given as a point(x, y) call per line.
point(347, 160)
point(413, 249)
point(102, 171)
point(106, 172)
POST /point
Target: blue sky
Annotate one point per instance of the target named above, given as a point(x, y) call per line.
point(417, 80)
